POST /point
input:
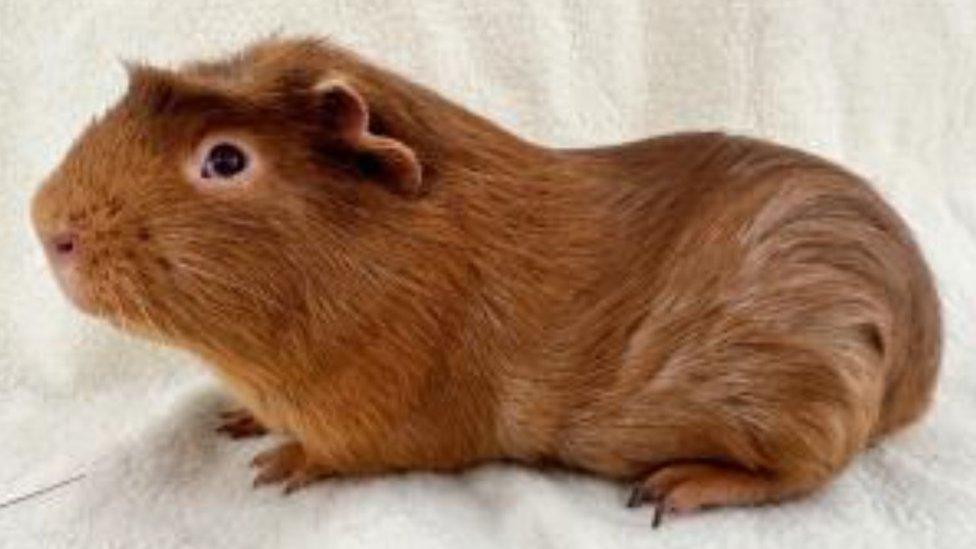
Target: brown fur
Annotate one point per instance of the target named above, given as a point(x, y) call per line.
point(729, 320)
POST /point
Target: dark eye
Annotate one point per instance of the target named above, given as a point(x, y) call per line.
point(224, 160)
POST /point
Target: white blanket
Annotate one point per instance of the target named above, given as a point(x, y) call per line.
point(887, 87)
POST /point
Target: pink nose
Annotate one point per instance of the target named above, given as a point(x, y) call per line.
point(62, 245)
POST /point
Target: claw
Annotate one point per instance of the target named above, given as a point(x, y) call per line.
point(267, 476)
point(261, 480)
point(638, 496)
point(658, 514)
point(238, 424)
point(264, 457)
point(295, 483)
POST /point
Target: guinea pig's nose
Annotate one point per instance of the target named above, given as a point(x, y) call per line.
point(62, 245)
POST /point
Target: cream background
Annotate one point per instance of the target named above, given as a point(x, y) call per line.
point(887, 87)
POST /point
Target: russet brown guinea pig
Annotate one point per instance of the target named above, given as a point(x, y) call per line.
point(399, 284)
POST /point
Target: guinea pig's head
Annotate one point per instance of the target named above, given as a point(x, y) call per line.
point(205, 206)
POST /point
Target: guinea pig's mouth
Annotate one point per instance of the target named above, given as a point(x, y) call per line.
point(99, 280)
point(106, 292)
point(71, 283)
point(68, 265)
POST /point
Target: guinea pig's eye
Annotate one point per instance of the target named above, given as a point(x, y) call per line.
point(223, 160)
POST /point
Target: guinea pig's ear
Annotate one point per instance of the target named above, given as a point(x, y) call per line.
point(344, 116)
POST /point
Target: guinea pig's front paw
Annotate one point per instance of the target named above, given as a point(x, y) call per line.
point(240, 424)
point(289, 464)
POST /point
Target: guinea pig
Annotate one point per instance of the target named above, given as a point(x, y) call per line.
point(395, 283)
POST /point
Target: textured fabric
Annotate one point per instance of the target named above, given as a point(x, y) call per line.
point(887, 87)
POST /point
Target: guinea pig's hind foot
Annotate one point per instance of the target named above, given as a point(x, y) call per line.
point(687, 487)
point(240, 424)
point(288, 464)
